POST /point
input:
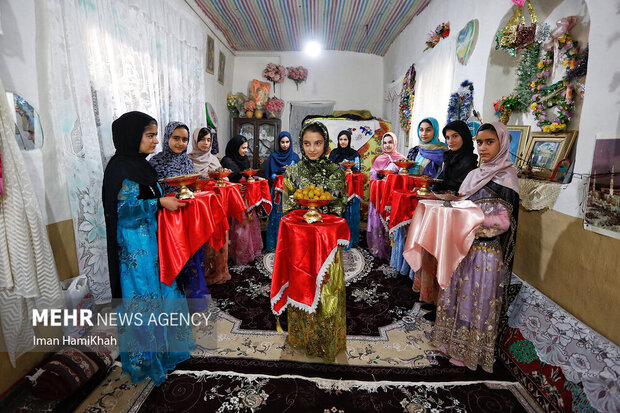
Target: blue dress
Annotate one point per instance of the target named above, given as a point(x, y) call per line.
point(274, 221)
point(352, 212)
point(146, 349)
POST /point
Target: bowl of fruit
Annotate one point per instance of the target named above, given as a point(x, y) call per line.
point(312, 197)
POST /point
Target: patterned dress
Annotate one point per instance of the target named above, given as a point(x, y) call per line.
point(147, 350)
point(468, 310)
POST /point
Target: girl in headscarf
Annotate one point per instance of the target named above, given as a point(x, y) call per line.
point(236, 158)
point(281, 158)
point(246, 242)
point(173, 161)
point(376, 231)
point(204, 161)
point(323, 332)
point(344, 151)
point(458, 162)
point(131, 198)
point(428, 155)
point(469, 309)
point(388, 155)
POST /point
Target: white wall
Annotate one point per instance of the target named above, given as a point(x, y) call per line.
point(600, 111)
point(352, 80)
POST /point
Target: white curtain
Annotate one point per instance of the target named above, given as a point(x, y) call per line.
point(299, 111)
point(28, 277)
point(392, 112)
point(434, 79)
point(106, 58)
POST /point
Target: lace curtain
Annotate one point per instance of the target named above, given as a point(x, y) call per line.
point(28, 277)
point(434, 78)
point(392, 111)
point(299, 110)
point(103, 59)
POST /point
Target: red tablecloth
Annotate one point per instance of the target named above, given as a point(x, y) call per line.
point(303, 254)
point(446, 233)
point(230, 197)
point(394, 182)
point(257, 193)
point(376, 192)
point(278, 188)
point(355, 184)
point(182, 232)
point(404, 204)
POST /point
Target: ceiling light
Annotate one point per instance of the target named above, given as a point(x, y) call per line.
point(313, 48)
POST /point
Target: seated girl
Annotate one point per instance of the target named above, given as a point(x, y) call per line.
point(428, 155)
point(469, 309)
point(173, 161)
point(322, 333)
point(277, 162)
point(204, 161)
point(246, 242)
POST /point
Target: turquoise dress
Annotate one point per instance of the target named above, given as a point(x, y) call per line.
point(147, 350)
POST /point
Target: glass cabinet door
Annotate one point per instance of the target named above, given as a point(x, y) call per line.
point(266, 139)
point(247, 130)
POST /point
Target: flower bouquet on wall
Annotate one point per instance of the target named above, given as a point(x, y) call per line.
point(298, 74)
point(275, 74)
point(441, 32)
point(274, 107)
point(505, 106)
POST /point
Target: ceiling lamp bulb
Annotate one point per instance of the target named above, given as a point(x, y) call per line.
point(313, 48)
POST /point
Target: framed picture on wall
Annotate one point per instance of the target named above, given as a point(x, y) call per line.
point(221, 67)
point(210, 66)
point(545, 150)
point(519, 135)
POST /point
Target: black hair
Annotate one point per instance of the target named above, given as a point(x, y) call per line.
point(204, 131)
point(487, 126)
point(313, 127)
point(151, 123)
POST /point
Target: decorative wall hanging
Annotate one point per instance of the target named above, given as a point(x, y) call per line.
point(274, 73)
point(441, 32)
point(559, 95)
point(461, 102)
point(210, 66)
point(465, 41)
point(221, 68)
point(516, 34)
point(407, 96)
point(602, 214)
point(297, 74)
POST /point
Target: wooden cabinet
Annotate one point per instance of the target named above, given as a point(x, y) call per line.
point(261, 135)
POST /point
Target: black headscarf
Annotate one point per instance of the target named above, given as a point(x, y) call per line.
point(457, 164)
point(127, 163)
point(340, 154)
point(233, 160)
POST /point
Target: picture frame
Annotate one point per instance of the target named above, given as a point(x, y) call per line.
point(545, 150)
point(519, 136)
point(221, 68)
point(210, 61)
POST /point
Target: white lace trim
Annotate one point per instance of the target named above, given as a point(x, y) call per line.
point(277, 298)
point(399, 225)
point(251, 207)
point(354, 196)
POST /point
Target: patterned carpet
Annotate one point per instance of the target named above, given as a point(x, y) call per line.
point(241, 364)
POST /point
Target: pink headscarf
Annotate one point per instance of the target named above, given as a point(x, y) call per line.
point(382, 161)
point(499, 169)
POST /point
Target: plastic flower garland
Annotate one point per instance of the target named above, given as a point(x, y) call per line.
point(461, 102)
point(297, 74)
point(560, 94)
point(274, 105)
point(274, 73)
point(441, 32)
point(407, 95)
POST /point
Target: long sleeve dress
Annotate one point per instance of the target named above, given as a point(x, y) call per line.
point(146, 350)
point(468, 310)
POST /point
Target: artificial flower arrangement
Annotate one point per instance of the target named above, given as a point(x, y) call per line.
point(274, 73)
point(274, 105)
point(441, 32)
point(249, 106)
point(506, 103)
point(297, 74)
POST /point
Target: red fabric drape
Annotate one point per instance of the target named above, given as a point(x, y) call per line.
point(230, 197)
point(303, 254)
point(355, 184)
point(404, 204)
point(182, 232)
point(393, 183)
point(257, 193)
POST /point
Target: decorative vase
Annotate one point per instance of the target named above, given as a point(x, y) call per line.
point(504, 117)
point(258, 114)
point(249, 114)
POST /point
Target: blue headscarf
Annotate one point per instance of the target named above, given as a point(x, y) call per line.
point(280, 158)
point(429, 155)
